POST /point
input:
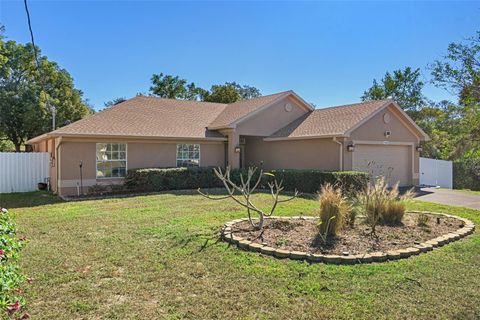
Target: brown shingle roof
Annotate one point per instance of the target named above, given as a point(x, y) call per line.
point(150, 117)
point(333, 121)
point(239, 109)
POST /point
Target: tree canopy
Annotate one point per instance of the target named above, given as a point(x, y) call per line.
point(28, 92)
point(174, 87)
point(404, 86)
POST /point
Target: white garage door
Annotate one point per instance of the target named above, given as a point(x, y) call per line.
point(391, 161)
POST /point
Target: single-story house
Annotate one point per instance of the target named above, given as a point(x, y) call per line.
point(278, 131)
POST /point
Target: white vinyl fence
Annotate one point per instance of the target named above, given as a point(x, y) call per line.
point(436, 173)
point(21, 172)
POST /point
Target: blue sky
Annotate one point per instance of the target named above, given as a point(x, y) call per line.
point(328, 52)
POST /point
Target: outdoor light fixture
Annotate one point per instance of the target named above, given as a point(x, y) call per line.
point(237, 149)
point(351, 148)
point(419, 148)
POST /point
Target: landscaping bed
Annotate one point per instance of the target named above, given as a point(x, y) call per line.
point(301, 234)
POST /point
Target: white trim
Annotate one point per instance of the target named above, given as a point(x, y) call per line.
point(395, 143)
point(96, 161)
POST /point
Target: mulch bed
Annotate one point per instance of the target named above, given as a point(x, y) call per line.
point(302, 235)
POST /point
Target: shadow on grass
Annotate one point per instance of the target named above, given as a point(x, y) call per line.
point(28, 199)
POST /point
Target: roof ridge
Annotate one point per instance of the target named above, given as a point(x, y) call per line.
point(261, 97)
point(353, 104)
point(181, 100)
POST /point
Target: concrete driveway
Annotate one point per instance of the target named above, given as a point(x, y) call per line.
point(450, 197)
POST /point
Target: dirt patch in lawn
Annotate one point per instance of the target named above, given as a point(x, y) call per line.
point(302, 235)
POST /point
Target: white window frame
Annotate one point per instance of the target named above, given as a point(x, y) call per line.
point(96, 161)
point(183, 159)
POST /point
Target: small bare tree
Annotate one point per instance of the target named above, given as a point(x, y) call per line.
point(242, 193)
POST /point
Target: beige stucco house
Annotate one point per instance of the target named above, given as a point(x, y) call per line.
point(279, 131)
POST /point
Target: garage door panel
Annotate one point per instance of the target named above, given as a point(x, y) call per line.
point(391, 161)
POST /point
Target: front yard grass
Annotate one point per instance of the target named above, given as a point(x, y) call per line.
point(155, 257)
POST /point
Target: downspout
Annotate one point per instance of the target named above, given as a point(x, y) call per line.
point(57, 160)
point(341, 152)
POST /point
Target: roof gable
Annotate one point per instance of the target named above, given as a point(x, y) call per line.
point(329, 122)
point(243, 109)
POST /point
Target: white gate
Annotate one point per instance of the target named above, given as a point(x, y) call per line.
point(21, 172)
point(437, 173)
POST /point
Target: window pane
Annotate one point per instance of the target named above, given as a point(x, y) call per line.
point(188, 155)
point(100, 169)
point(122, 172)
point(122, 147)
point(115, 147)
point(122, 155)
point(114, 155)
point(108, 169)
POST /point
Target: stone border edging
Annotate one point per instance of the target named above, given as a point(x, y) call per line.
point(429, 245)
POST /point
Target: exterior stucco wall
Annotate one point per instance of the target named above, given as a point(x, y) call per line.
point(323, 154)
point(271, 119)
point(374, 130)
point(48, 145)
point(140, 154)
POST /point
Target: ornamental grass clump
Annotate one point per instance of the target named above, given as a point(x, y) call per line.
point(382, 204)
point(333, 211)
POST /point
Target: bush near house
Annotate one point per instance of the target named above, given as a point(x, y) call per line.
point(466, 174)
point(306, 181)
point(10, 276)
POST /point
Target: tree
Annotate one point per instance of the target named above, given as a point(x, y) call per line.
point(242, 194)
point(173, 87)
point(404, 86)
point(245, 92)
point(114, 102)
point(226, 93)
point(459, 73)
point(29, 91)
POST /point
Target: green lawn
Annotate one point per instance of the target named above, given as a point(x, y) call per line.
point(155, 257)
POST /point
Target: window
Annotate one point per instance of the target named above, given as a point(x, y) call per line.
point(111, 160)
point(188, 155)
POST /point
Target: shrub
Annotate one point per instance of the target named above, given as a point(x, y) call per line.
point(161, 179)
point(422, 220)
point(100, 189)
point(305, 181)
point(351, 217)
point(466, 174)
point(333, 210)
point(10, 276)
